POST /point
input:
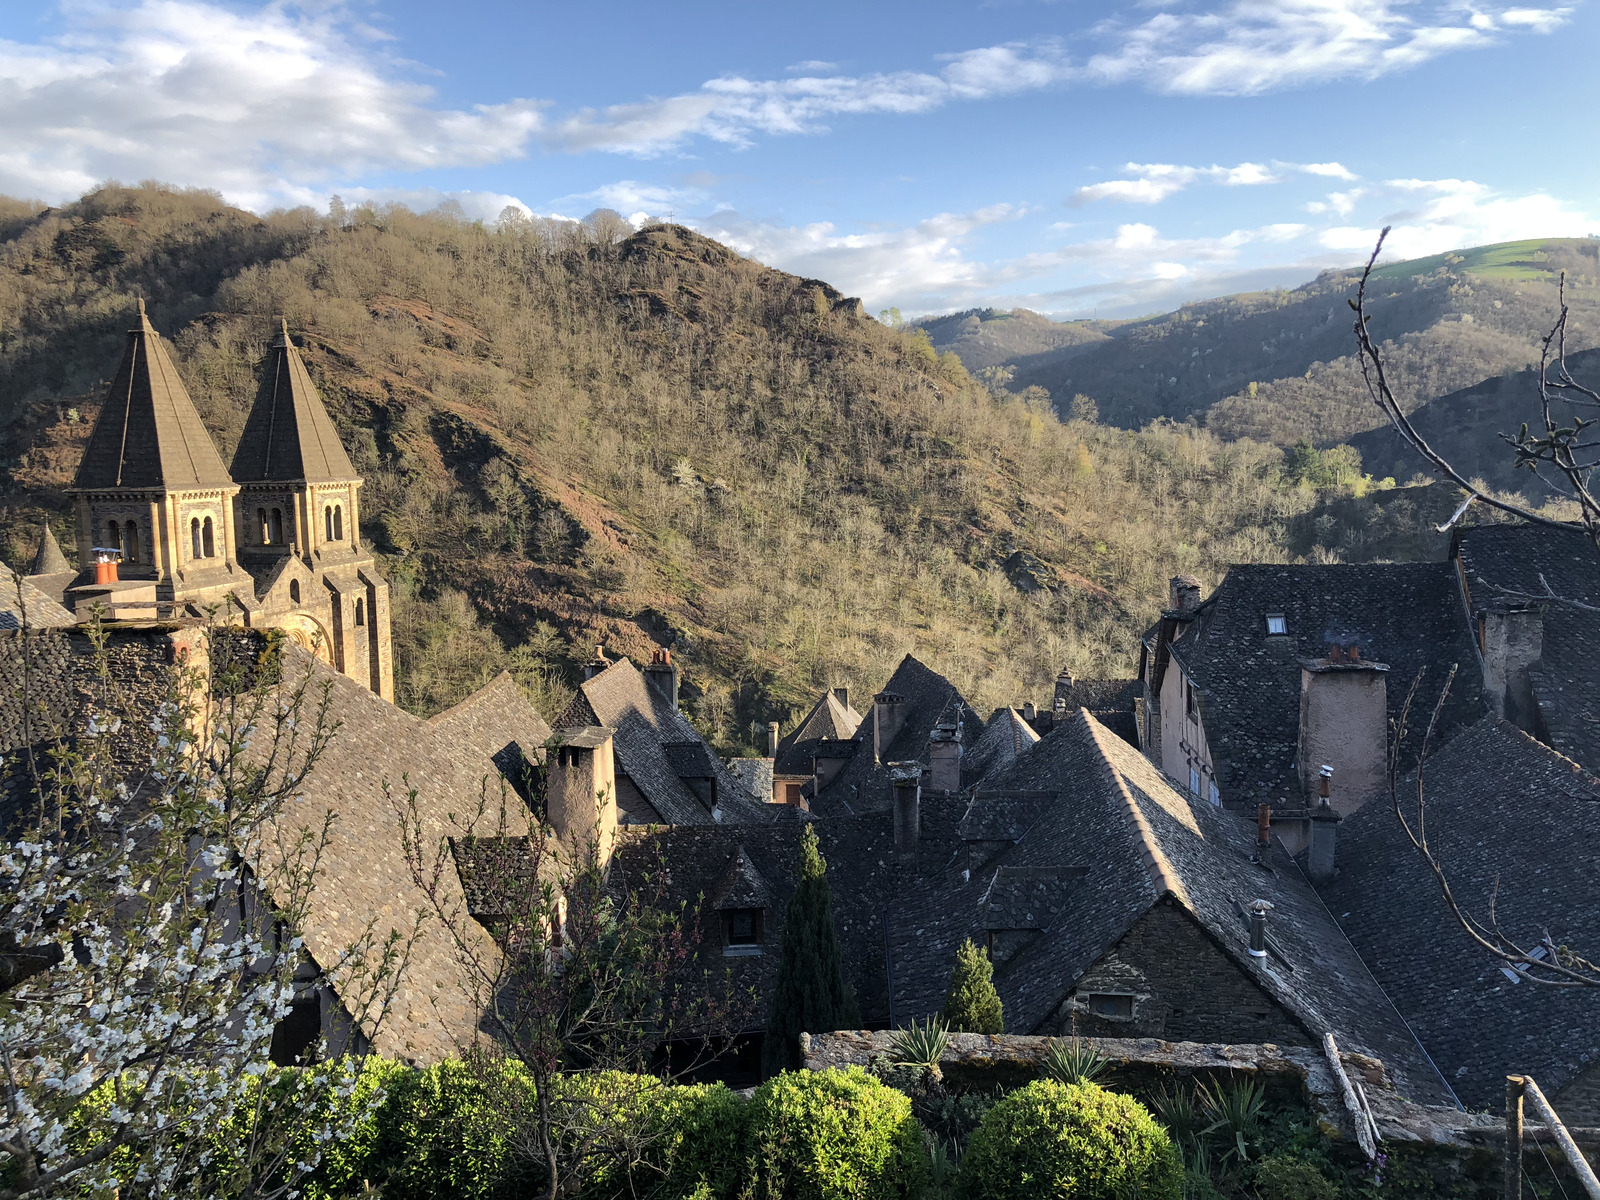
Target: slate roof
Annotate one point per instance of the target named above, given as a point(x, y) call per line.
point(364, 873)
point(1566, 684)
point(148, 434)
point(1112, 701)
point(754, 775)
point(830, 718)
point(996, 747)
point(42, 612)
point(288, 436)
point(1139, 842)
point(49, 560)
point(1408, 615)
point(928, 697)
point(646, 724)
point(1502, 809)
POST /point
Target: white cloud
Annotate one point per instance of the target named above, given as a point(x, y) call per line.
point(1449, 214)
point(1331, 169)
point(265, 106)
point(1154, 182)
point(1244, 47)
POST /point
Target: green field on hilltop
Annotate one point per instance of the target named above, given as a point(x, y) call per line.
point(1528, 259)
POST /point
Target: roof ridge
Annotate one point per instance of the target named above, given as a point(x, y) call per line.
point(1161, 870)
point(288, 435)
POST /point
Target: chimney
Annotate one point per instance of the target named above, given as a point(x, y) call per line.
point(1258, 927)
point(1513, 640)
point(664, 676)
point(842, 695)
point(1263, 832)
point(907, 781)
point(944, 756)
point(888, 712)
point(1183, 594)
point(105, 564)
point(1324, 831)
point(1063, 695)
point(596, 664)
point(1029, 713)
point(581, 792)
point(772, 739)
point(1344, 722)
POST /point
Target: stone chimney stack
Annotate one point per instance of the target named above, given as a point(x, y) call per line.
point(1513, 640)
point(907, 781)
point(842, 695)
point(944, 755)
point(888, 714)
point(1324, 831)
point(596, 664)
point(663, 675)
point(582, 792)
point(1344, 723)
point(1183, 594)
point(772, 739)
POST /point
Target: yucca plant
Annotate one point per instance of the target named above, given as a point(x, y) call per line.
point(943, 1165)
point(1180, 1111)
point(921, 1046)
point(1235, 1111)
point(1073, 1060)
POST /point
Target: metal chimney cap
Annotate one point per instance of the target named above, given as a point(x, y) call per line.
point(1326, 772)
point(1261, 907)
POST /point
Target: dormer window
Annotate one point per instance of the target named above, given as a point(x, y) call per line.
point(741, 931)
point(1277, 625)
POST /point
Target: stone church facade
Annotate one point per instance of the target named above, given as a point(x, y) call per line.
point(272, 541)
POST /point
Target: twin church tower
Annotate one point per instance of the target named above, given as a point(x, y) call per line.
point(276, 536)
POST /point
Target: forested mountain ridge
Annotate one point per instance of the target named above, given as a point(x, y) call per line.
point(1279, 366)
point(571, 438)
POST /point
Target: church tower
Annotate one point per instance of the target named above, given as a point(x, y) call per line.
point(152, 487)
point(298, 512)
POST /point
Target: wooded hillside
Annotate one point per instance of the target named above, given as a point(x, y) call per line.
point(571, 437)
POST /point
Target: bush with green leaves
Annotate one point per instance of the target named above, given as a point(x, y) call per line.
point(973, 1005)
point(692, 1142)
point(834, 1135)
point(1073, 1142)
point(439, 1134)
point(1287, 1176)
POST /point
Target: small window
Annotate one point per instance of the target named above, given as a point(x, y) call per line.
point(194, 537)
point(327, 517)
point(277, 526)
point(1213, 795)
point(1194, 781)
point(1110, 1004)
point(338, 522)
point(294, 590)
point(130, 542)
point(113, 536)
point(361, 612)
point(741, 929)
point(1277, 626)
point(209, 538)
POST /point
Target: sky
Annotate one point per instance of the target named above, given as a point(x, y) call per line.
point(1076, 158)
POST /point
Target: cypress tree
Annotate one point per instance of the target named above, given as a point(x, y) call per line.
point(811, 995)
point(973, 1005)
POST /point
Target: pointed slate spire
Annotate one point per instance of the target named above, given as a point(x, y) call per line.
point(148, 434)
point(289, 436)
point(49, 560)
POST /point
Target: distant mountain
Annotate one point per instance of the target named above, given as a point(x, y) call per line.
point(985, 337)
point(1278, 365)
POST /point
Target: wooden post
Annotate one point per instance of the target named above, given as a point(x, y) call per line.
point(1513, 1158)
point(1575, 1159)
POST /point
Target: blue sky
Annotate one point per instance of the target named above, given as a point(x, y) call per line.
point(1075, 158)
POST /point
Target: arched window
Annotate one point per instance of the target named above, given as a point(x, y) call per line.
point(130, 542)
point(294, 590)
point(266, 530)
point(277, 527)
point(338, 522)
point(210, 541)
point(361, 612)
point(194, 536)
point(113, 536)
point(327, 517)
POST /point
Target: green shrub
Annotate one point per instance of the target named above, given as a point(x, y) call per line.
point(1285, 1176)
point(697, 1144)
point(835, 1135)
point(1071, 1141)
point(973, 1005)
point(440, 1134)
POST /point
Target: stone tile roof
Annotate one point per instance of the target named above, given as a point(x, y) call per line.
point(1130, 841)
point(1408, 615)
point(288, 435)
point(1566, 684)
point(830, 718)
point(148, 434)
point(1516, 824)
point(364, 871)
point(1112, 701)
point(928, 697)
point(996, 747)
point(22, 600)
point(49, 560)
point(646, 723)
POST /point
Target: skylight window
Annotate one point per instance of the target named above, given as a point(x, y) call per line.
point(1276, 625)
